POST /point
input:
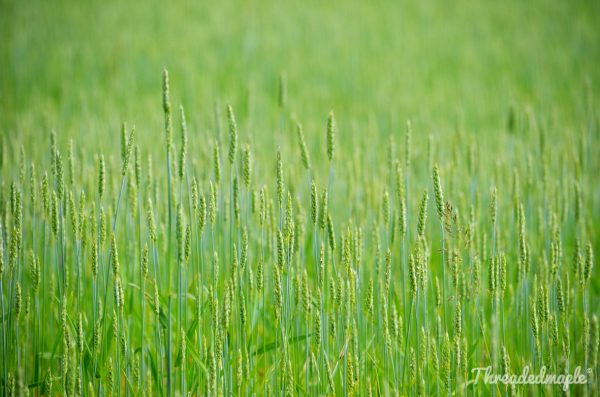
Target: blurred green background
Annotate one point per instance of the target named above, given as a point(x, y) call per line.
point(84, 67)
point(455, 68)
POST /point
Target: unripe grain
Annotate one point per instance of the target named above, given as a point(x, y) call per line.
point(280, 184)
point(167, 108)
point(114, 255)
point(437, 188)
point(330, 136)
point(422, 214)
point(184, 144)
point(233, 138)
point(247, 165)
point(302, 143)
point(128, 152)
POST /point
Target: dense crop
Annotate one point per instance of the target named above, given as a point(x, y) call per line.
point(344, 259)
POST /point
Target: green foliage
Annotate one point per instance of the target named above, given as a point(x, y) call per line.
point(315, 267)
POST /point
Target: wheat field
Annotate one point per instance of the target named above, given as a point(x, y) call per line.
point(281, 199)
